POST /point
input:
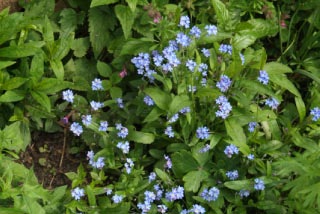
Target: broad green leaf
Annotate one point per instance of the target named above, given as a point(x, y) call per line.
point(176, 147)
point(193, 180)
point(221, 11)
point(153, 115)
point(91, 196)
point(12, 96)
point(163, 176)
point(37, 66)
point(135, 46)
point(282, 80)
point(69, 20)
point(277, 68)
point(178, 103)
point(132, 4)
point(42, 99)
point(126, 18)
point(104, 69)
point(235, 131)
point(301, 108)
point(4, 64)
point(24, 50)
point(59, 193)
point(161, 98)
point(51, 85)
point(80, 46)
point(239, 185)
point(141, 137)
point(183, 162)
point(13, 83)
point(96, 3)
point(242, 41)
point(115, 92)
point(57, 68)
point(303, 142)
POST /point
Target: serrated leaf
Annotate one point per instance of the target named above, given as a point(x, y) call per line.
point(161, 98)
point(96, 3)
point(80, 46)
point(42, 99)
point(39, 8)
point(98, 29)
point(193, 180)
point(70, 19)
point(183, 162)
point(141, 137)
point(126, 18)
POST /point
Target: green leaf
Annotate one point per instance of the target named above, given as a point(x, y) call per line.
point(39, 8)
point(91, 196)
point(141, 137)
point(126, 18)
point(104, 69)
point(235, 131)
point(13, 83)
point(62, 47)
point(57, 68)
point(98, 29)
point(10, 26)
point(161, 98)
point(183, 162)
point(178, 103)
point(80, 46)
point(96, 3)
point(132, 4)
point(153, 115)
point(239, 185)
point(11, 138)
point(115, 92)
point(257, 87)
point(42, 99)
point(221, 11)
point(301, 108)
point(70, 19)
point(37, 66)
point(123, 208)
point(277, 75)
point(4, 64)
point(135, 46)
point(12, 96)
point(163, 176)
point(193, 180)
point(24, 50)
point(47, 31)
point(51, 85)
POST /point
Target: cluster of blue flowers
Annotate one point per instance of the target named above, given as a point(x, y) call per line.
point(124, 146)
point(315, 113)
point(224, 107)
point(252, 126)
point(77, 193)
point(231, 150)
point(99, 164)
point(202, 133)
point(224, 48)
point(258, 184)
point(232, 175)
point(263, 77)
point(224, 83)
point(211, 194)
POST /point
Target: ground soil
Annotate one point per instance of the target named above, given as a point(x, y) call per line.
point(44, 156)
